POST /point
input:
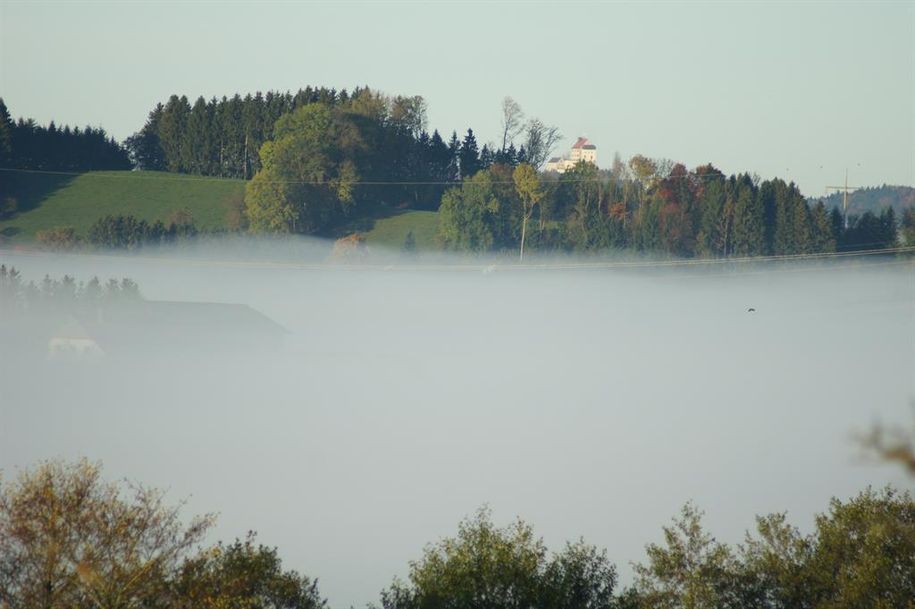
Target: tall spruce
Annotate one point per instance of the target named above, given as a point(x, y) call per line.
point(469, 156)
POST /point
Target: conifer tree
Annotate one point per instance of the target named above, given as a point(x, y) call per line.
point(194, 148)
point(822, 231)
point(908, 227)
point(889, 228)
point(838, 228)
point(749, 232)
point(454, 150)
point(783, 235)
point(711, 203)
point(801, 224)
point(173, 130)
point(6, 135)
point(486, 157)
point(469, 156)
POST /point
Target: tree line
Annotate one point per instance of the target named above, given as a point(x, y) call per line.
point(116, 545)
point(321, 160)
point(223, 137)
point(873, 198)
point(329, 164)
point(122, 232)
point(219, 137)
point(652, 206)
point(24, 144)
point(66, 295)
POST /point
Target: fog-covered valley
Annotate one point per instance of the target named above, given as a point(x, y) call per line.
point(590, 402)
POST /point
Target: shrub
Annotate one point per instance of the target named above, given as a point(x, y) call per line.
point(59, 238)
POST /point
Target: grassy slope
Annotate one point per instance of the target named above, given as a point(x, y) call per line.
point(48, 200)
point(390, 232)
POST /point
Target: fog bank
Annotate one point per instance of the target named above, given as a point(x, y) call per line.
point(589, 402)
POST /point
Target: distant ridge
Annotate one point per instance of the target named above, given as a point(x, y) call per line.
point(874, 199)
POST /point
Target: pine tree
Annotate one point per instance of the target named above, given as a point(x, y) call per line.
point(486, 157)
point(801, 224)
point(838, 228)
point(194, 150)
point(749, 232)
point(889, 232)
point(711, 204)
point(173, 130)
point(823, 238)
point(511, 156)
point(6, 136)
point(454, 151)
point(766, 200)
point(783, 237)
point(469, 156)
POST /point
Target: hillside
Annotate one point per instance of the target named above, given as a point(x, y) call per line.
point(391, 232)
point(49, 200)
point(874, 199)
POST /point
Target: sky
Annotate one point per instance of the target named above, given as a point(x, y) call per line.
point(801, 91)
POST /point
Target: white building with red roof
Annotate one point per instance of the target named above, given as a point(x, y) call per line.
point(582, 150)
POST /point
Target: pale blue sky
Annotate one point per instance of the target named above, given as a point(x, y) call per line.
point(798, 90)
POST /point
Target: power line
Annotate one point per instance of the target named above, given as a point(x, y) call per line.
point(845, 190)
point(169, 176)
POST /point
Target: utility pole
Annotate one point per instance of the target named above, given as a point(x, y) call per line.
point(845, 189)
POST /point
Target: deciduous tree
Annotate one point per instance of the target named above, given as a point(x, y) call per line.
point(491, 567)
point(69, 539)
point(527, 185)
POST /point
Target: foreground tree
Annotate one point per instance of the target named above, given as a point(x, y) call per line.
point(860, 554)
point(243, 574)
point(865, 552)
point(488, 567)
point(68, 539)
point(691, 570)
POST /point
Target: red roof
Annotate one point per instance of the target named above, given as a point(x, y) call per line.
point(582, 141)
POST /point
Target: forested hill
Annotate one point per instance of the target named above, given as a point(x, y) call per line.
point(323, 162)
point(873, 199)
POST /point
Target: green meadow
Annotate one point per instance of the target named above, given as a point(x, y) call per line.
point(51, 200)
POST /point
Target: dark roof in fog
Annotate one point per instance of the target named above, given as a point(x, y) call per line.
point(193, 314)
point(195, 325)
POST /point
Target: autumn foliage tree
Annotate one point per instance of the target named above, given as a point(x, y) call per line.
point(69, 539)
point(242, 575)
point(527, 184)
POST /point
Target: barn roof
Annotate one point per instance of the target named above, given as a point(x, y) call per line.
point(194, 325)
